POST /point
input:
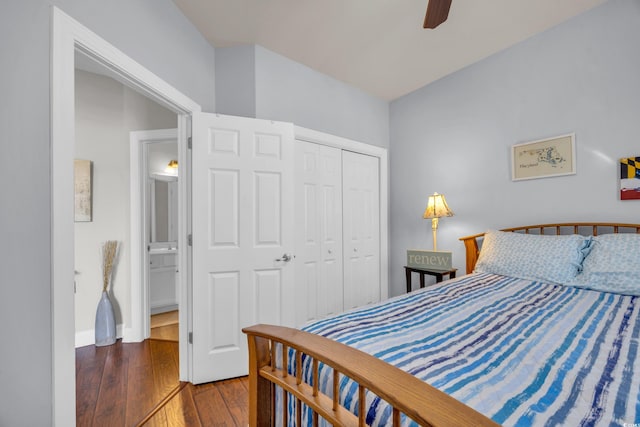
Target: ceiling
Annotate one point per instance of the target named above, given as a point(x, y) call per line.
point(378, 46)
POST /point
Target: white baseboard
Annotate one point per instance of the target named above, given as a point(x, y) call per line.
point(128, 336)
point(163, 307)
point(84, 338)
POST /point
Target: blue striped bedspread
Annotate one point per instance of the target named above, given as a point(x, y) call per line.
point(523, 353)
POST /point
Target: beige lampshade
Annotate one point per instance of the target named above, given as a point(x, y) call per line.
point(437, 207)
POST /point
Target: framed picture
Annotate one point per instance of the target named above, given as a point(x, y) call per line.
point(544, 158)
point(82, 190)
point(630, 178)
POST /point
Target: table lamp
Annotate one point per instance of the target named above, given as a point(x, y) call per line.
point(436, 208)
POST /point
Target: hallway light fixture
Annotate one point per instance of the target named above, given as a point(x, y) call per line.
point(436, 208)
point(172, 167)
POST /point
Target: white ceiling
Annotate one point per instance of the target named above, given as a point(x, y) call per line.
point(378, 45)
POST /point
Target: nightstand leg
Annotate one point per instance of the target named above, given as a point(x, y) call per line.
point(408, 274)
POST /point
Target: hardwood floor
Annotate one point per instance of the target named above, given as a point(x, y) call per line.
point(137, 384)
point(164, 326)
point(164, 319)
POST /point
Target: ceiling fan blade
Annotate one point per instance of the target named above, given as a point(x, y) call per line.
point(437, 12)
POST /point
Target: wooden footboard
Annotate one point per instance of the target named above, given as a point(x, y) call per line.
point(403, 392)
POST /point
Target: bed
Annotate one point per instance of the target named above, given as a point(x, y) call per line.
point(543, 330)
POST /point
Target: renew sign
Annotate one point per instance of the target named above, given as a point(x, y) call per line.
point(430, 260)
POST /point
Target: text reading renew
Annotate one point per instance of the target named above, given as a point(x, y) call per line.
point(429, 259)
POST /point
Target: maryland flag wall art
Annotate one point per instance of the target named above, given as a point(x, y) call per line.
point(630, 178)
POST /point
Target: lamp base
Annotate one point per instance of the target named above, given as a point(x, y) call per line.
point(434, 229)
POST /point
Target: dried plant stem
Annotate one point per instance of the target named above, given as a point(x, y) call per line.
point(109, 251)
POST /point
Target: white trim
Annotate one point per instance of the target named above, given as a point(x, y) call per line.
point(140, 310)
point(85, 338)
point(165, 303)
point(184, 275)
point(62, 246)
point(165, 308)
point(67, 36)
point(164, 176)
point(309, 135)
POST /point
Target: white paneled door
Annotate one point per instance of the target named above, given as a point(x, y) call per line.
point(318, 201)
point(361, 224)
point(242, 227)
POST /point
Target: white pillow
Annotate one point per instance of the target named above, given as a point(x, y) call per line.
point(613, 265)
point(551, 259)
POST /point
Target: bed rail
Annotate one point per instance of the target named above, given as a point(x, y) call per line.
point(405, 393)
point(584, 228)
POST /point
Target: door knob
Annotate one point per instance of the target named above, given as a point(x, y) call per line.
point(285, 257)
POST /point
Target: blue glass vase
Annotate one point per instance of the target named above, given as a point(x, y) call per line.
point(105, 322)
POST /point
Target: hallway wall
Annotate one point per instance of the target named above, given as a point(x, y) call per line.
point(106, 111)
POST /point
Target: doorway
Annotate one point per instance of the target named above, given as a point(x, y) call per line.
point(155, 195)
point(69, 36)
point(106, 112)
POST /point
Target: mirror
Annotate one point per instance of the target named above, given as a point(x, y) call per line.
point(164, 209)
point(162, 195)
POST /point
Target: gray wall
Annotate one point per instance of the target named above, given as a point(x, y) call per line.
point(289, 91)
point(236, 81)
point(154, 33)
point(454, 136)
point(277, 88)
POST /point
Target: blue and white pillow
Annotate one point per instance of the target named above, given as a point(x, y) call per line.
point(551, 259)
point(613, 265)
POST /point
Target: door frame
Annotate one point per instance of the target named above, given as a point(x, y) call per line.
point(67, 37)
point(138, 176)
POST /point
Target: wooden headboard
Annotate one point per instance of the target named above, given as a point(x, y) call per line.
point(583, 228)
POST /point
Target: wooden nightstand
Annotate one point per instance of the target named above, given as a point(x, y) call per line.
point(437, 273)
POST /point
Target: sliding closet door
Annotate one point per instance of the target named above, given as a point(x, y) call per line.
point(361, 229)
point(318, 212)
